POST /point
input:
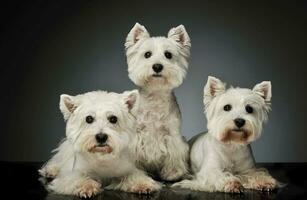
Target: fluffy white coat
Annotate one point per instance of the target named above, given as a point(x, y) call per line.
point(81, 165)
point(160, 148)
point(222, 159)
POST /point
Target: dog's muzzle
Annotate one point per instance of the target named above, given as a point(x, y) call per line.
point(238, 135)
point(101, 138)
point(239, 122)
point(102, 145)
point(157, 68)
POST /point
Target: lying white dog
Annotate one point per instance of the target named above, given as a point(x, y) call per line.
point(99, 146)
point(222, 159)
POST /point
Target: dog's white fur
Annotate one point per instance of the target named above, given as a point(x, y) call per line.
point(222, 160)
point(161, 148)
point(80, 165)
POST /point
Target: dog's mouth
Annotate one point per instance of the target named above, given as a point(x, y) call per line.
point(157, 75)
point(101, 148)
point(237, 130)
point(236, 135)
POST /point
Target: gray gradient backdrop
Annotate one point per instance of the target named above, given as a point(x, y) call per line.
point(71, 47)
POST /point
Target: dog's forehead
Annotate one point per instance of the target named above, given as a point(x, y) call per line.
point(100, 100)
point(242, 96)
point(239, 92)
point(99, 96)
point(158, 42)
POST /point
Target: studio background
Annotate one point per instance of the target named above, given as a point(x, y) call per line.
point(53, 47)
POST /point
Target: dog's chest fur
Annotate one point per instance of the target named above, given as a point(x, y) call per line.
point(108, 165)
point(154, 108)
point(153, 124)
point(234, 158)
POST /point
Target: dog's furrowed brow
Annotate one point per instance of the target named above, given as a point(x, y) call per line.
point(253, 102)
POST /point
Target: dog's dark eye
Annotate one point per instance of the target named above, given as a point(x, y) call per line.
point(89, 119)
point(112, 119)
point(227, 107)
point(168, 54)
point(147, 54)
point(249, 109)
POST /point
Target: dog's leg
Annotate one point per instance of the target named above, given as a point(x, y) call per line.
point(49, 170)
point(212, 181)
point(137, 182)
point(258, 179)
point(75, 183)
point(52, 167)
point(175, 163)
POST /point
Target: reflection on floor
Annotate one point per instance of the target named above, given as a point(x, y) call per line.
point(21, 181)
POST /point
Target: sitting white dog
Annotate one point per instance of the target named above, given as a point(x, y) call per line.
point(158, 65)
point(99, 146)
point(222, 159)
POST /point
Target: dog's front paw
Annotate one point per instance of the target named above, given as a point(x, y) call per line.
point(264, 184)
point(49, 171)
point(145, 187)
point(88, 189)
point(233, 187)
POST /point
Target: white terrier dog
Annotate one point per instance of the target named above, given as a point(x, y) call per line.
point(99, 146)
point(222, 159)
point(158, 65)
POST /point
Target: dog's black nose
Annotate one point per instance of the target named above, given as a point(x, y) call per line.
point(239, 122)
point(101, 138)
point(157, 68)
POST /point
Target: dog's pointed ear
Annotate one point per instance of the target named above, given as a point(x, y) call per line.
point(137, 33)
point(264, 89)
point(180, 35)
point(131, 100)
point(213, 88)
point(67, 105)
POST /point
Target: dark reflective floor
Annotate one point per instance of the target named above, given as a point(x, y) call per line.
point(21, 181)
